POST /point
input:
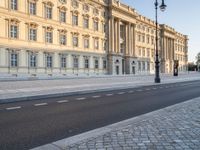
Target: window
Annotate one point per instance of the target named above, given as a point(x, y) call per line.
point(152, 40)
point(13, 59)
point(96, 44)
point(139, 37)
point(96, 11)
point(143, 52)
point(148, 40)
point(62, 16)
point(49, 61)
point(32, 34)
point(143, 38)
point(86, 43)
point(86, 23)
point(122, 31)
point(143, 66)
point(48, 10)
point(122, 47)
point(14, 31)
point(63, 39)
point(96, 26)
point(33, 60)
point(75, 41)
point(49, 37)
point(75, 62)
point(86, 63)
point(140, 51)
point(32, 8)
point(63, 61)
point(104, 45)
point(139, 66)
point(96, 64)
point(152, 53)
point(74, 3)
point(148, 52)
point(13, 4)
point(86, 8)
point(104, 64)
point(148, 66)
point(75, 20)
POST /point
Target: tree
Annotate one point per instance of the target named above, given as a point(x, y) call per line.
point(198, 61)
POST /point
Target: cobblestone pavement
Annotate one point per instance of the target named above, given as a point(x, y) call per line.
point(174, 127)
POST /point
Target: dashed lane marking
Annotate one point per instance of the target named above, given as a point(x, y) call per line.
point(13, 108)
point(130, 91)
point(109, 94)
point(96, 96)
point(120, 93)
point(80, 98)
point(62, 101)
point(40, 104)
point(147, 89)
point(154, 88)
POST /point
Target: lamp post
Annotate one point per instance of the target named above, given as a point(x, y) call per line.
point(162, 8)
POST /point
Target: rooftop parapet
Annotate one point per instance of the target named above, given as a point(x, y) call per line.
point(123, 6)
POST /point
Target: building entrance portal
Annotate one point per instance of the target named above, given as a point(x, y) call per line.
point(133, 70)
point(117, 70)
point(123, 66)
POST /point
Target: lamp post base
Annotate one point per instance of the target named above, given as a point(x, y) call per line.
point(157, 80)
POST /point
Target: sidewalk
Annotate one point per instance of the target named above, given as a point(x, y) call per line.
point(26, 90)
point(174, 127)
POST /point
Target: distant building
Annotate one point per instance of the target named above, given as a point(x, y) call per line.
point(61, 37)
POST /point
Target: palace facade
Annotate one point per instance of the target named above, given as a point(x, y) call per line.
point(83, 37)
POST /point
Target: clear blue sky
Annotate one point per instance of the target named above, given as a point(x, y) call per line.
point(183, 15)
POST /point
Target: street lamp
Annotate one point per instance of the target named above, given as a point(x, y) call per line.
point(162, 8)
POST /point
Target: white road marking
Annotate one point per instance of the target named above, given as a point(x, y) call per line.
point(130, 91)
point(166, 86)
point(120, 93)
point(109, 94)
point(147, 89)
point(12, 108)
point(161, 87)
point(96, 96)
point(62, 101)
point(40, 104)
point(154, 88)
point(80, 98)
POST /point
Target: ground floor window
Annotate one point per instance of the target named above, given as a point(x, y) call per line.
point(104, 64)
point(49, 61)
point(86, 63)
point(14, 59)
point(63, 61)
point(33, 60)
point(96, 64)
point(75, 62)
point(139, 66)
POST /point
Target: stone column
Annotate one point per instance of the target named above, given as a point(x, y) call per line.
point(133, 40)
point(127, 42)
point(112, 35)
point(118, 35)
point(129, 38)
point(115, 37)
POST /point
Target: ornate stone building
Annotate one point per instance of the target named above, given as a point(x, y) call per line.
point(83, 37)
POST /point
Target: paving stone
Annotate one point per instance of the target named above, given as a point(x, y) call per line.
point(173, 128)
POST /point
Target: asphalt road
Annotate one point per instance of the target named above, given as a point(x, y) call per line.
point(24, 125)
